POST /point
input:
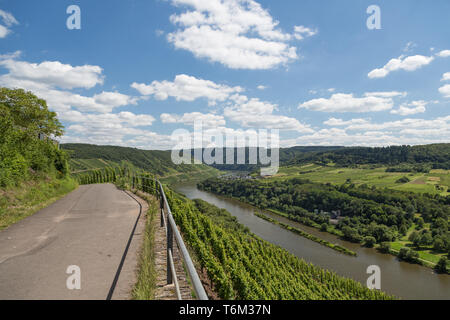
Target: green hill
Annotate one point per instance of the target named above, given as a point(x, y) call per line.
point(87, 157)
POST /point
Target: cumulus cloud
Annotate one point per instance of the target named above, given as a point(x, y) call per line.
point(339, 122)
point(261, 87)
point(122, 129)
point(443, 53)
point(301, 32)
point(405, 131)
point(410, 63)
point(446, 76)
point(341, 102)
point(51, 80)
point(411, 108)
point(8, 21)
point(208, 120)
point(54, 73)
point(445, 90)
point(386, 94)
point(255, 113)
point(187, 88)
point(239, 34)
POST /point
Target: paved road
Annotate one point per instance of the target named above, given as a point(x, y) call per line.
point(89, 228)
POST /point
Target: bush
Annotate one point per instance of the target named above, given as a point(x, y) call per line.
point(369, 241)
point(408, 255)
point(385, 247)
point(403, 180)
point(441, 266)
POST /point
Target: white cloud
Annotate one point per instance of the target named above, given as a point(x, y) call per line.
point(339, 122)
point(187, 88)
point(341, 102)
point(386, 94)
point(239, 34)
point(259, 114)
point(54, 73)
point(411, 108)
point(445, 90)
point(409, 46)
point(45, 79)
point(261, 87)
point(122, 129)
point(406, 131)
point(208, 120)
point(301, 32)
point(8, 21)
point(446, 76)
point(410, 63)
point(444, 54)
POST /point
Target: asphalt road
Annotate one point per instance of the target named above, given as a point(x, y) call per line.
point(89, 228)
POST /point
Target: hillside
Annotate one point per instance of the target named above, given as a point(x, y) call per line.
point(436, 156)
point(87, 157)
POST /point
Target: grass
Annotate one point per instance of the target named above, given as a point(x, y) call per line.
point(17, 203)
point(144, 288)
point(426, 253)
point(372, 176)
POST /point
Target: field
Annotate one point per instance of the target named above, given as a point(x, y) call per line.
point(435, 182)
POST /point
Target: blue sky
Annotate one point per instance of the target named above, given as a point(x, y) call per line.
point(139, 69)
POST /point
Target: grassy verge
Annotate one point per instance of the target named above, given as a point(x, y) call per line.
point(17, 203)
point(144, 288)
point(307, 235)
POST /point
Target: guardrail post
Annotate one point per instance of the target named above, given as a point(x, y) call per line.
point(169, 250)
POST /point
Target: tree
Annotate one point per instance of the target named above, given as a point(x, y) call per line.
point(414, 237)
point(420, 222)
point(385, 247)
point(369, 241)
point(426, 239)
point(30, 113)
point(441, 266)
point(24, 119)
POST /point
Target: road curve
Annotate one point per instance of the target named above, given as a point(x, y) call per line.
point(89, 228)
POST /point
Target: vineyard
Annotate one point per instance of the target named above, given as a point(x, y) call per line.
point(242, 266)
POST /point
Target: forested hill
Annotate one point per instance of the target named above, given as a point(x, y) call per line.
point(157, 162)
point(437, 155)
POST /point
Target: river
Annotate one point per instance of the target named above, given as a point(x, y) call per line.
point(404, 280)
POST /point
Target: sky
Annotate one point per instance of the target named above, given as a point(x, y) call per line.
point(138, 70)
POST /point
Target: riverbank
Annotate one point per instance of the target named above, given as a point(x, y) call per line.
point(307, 235)
point(399, 278)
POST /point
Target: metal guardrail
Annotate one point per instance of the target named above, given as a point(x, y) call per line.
point(168, 222)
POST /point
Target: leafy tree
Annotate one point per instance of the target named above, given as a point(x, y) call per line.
point(385, 247)
point(369, 241)
point(441, 266)
point(26, 129)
